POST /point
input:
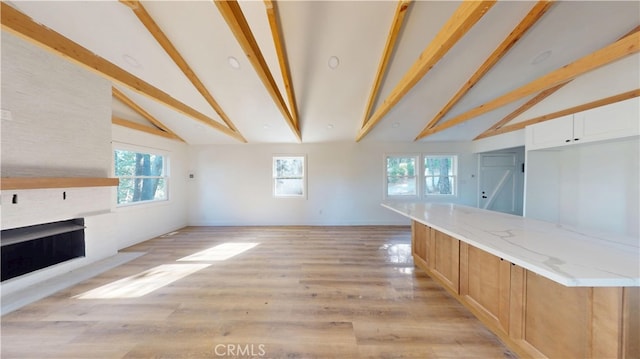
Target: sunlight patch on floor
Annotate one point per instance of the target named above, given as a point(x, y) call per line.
point(220, 252)
point(162, 275)
point(143, 283)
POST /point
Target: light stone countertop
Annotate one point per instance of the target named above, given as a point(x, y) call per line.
point(570, 256)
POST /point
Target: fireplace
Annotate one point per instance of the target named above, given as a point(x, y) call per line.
point(28, 249)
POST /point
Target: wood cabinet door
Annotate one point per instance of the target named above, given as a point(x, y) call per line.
point(631, 322)
point(420, 243)
point(444, 261)
point(554, 321)
point(485, 282)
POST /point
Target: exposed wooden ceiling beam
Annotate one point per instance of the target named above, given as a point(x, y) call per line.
point(132, 4)
point(535, 14)
point(534, 101)
point(231, 12)
point(281, 51)
point(134, 106)
point(153, 28)
point(621, 48)
point(467, 15)
point(520, 110)
point(587, 106)
point(21, 25)
point(389, 46)
point(139, 127)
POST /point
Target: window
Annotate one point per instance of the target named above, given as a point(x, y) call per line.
point(401, 176)
point(143, 176)
point(416, 176)
point(440, 175)
point(289, 176)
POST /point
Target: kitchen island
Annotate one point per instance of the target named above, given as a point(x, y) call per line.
point(545, 289)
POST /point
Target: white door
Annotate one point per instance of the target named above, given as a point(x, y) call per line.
point(498, 184)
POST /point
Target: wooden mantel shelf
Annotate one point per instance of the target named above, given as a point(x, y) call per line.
point(55, 182)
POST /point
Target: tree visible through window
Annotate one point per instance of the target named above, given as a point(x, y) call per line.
point(439, 175)
point(288, 176)
point(420, 176)
point(142, 176)
point(401, 176)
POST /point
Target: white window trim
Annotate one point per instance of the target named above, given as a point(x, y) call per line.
point(455, 175)
point(418, 171)
point(420, 177)
point(304, 176)
point(167, 169)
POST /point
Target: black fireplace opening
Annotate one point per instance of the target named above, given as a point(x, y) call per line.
point(28, 249)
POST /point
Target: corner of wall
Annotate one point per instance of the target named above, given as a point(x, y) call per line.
point(138, 223)
point(499, 142)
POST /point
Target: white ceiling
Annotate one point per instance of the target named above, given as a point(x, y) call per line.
point(331, 102)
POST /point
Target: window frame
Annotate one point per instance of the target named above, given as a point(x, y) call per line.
point(454, 175)
point(417, 172)
point(166, 173)
point(420, 176)
point(275, 157)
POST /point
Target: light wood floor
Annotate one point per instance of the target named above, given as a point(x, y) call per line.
point(301, 292)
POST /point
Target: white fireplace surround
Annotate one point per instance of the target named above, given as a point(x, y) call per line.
point(37, 206)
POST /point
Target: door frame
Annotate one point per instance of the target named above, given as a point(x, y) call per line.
point(518, 176)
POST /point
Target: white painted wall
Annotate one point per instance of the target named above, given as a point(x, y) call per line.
point(593, 186)
point(542, 185)
point(233, 184)
point(137, 223)
point(499, 142)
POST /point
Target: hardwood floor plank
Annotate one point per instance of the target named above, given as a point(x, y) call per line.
point(111, 312)
point(302, 292)
point(71, 351)
point(472, 351)
point(407, 350)
point(281, 330)
point(21, 334)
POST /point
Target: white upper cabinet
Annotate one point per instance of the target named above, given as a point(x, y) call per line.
point(616, 120)
point(621, 119)
point(552, 133)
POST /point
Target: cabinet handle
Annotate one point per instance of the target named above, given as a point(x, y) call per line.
point(576, 139)
point(567, 140)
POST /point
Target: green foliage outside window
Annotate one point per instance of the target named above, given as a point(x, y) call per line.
point(439, 174)
point(288, 176)
point(400, 167)
point(401, 176)
point(142, 176)
point(408, 177)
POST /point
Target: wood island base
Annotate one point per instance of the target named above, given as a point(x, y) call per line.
point(533, 315)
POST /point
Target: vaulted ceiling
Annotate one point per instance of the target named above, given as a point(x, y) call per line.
point(209, 72)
